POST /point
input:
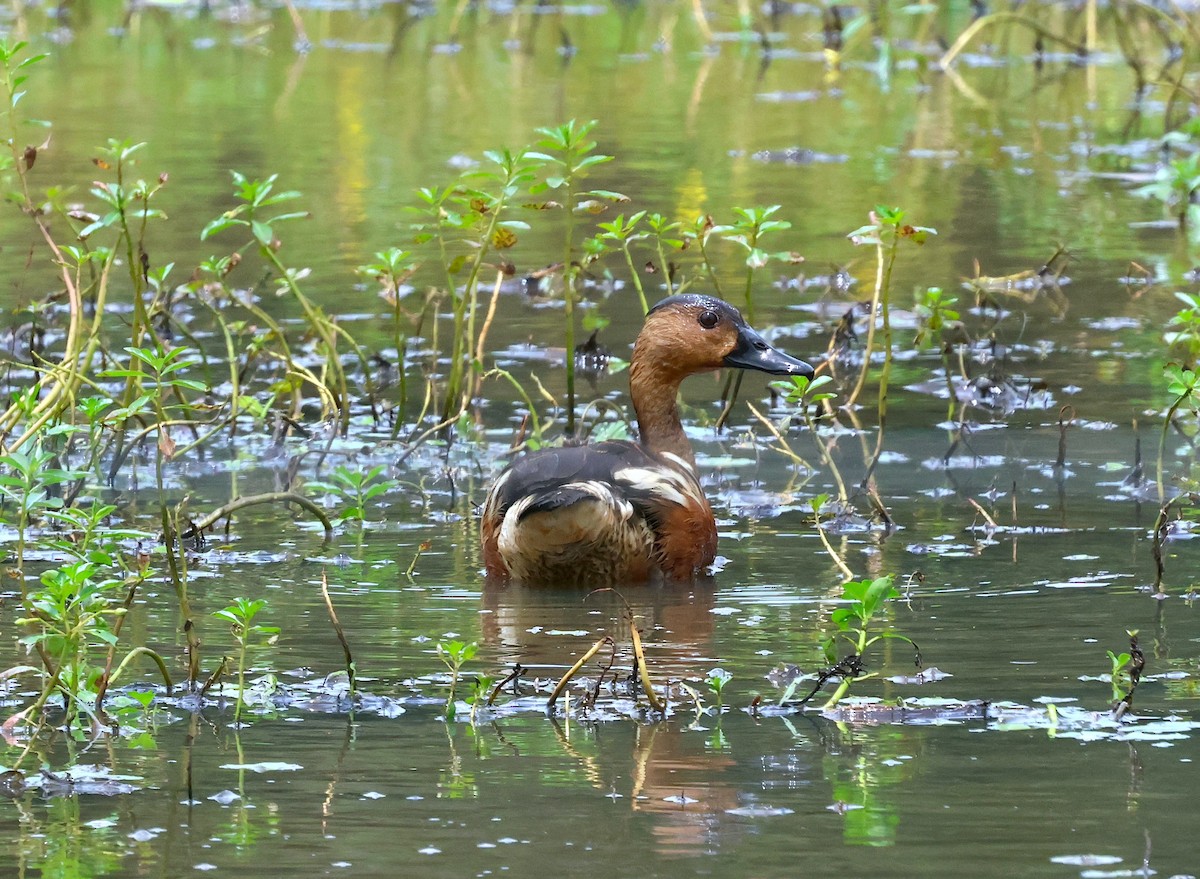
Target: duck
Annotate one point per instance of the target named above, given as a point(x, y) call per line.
point(620, 512)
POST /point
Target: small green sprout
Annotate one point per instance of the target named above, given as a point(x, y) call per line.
point(454, 655)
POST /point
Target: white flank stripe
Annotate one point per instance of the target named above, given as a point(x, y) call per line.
point(670, 456)
point(660, 482)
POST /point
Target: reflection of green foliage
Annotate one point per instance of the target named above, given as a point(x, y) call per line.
point(481, 690)
point(247, 825)
point(934, 309)
point(863, 781)
point(717, 740)
point(453, 784)
point(873, 823)
point(60, 846)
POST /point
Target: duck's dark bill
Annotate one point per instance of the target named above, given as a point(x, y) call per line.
point(753, 352)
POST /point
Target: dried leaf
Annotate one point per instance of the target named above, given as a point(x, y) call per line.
point(502, 239)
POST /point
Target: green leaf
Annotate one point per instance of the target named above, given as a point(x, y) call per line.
point(877, 592)
point(262, 233)
point(220, 224)
point(829, 650)
point(842, 616)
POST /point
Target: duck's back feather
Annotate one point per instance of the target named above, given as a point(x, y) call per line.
point(597, 514)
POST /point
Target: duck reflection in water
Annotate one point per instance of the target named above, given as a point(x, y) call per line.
point(666, 772)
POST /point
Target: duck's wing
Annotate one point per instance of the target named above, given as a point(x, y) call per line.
point(666, 490)
point(555, 505)
point(623, 484)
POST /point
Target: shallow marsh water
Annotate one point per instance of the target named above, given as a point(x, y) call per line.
point(1006, 161)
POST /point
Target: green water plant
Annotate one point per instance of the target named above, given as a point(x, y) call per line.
point(570, 155)
point(716, 680)
point(465, 225)
point(29, 481)
point(1183, 390)
point(885, 232)
point(392, 269)
point(57, 380)
point(241, 615)
point(856, 624)
point(622, 231)
point(748, 229)
point(1183, 329)
point(669, 237)
point(257, 211)
point(76, 610)
point(1125, 673)
point(454, 655)
point(355, 489)
point(1176, 185)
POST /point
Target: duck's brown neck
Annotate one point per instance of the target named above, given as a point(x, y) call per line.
point(654, 392)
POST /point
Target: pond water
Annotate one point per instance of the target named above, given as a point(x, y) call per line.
point(1007, 158)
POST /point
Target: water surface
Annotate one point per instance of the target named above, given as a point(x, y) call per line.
point(1005, 159)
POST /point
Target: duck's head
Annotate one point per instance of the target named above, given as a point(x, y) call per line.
point(692, 333)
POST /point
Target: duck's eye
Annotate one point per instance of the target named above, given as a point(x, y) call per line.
point(709, 319)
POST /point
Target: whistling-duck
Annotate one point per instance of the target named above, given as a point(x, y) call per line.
point(622, 512)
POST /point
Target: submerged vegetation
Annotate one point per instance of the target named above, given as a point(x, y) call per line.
point(140, 371)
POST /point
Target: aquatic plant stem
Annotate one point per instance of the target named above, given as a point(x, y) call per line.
point(56, 384)
point(882, 276)
point(341, 636)
point(533, 417)
point(980, 23)
point(833, 554)
point(569, 310)
point(639, 656)
point(118, 624)
point(784, 446)
point(273, 497)
point(154, 657)
point(481, 342)
point(325, 330)
point(1162, 442)
point(241, 687)
point(886, 371)
point(574, 670)
point(636, 277)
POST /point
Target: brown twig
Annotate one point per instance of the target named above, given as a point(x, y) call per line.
point(271, 497)
point(517, 671)
point(640, 657)
point(991, 522)
point(574, 670)
point(341, 635)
